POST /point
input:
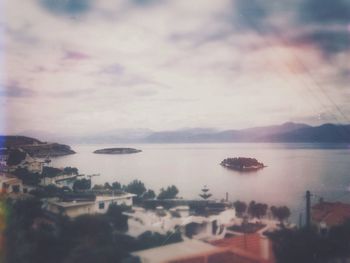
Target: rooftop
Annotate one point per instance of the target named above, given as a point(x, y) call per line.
point(171, 252)
point(70, 201)
point(330, 213)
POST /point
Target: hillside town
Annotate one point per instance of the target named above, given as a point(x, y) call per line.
point(147, 227)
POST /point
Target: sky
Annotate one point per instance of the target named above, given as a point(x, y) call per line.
point(79, 67)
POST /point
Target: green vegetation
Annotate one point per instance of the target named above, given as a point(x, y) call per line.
point(15, 157)
point(257, 210)
point(169, 193)
point(71, 170)
point(308, 246)
point(135, 187)
point(27, 177)
point(149, 194)
point(242, 164)
point(51, 171)
point(115, 214)
point(82, 184)
point(241, 208)
point(281, 213)
point(32, 238)
point(116, 186)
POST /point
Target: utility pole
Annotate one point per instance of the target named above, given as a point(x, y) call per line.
point(308, 203)
point(300, 220)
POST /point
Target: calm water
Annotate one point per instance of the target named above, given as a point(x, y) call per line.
point(292, 169)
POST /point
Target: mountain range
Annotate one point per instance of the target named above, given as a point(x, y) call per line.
point(288, 132)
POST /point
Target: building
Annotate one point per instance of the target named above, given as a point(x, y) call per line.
point(32, 165)
point(180, 218)
point(10, 184)
point(63, 180)
point(174, 252)
point(244, 249)
point(326, 214)
point(88, 204)
point(254, 246)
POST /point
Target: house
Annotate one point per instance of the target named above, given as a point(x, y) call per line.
point(63, 180)
point(179, 218)
point(243, 249)
point(32, 165)
point(174, 252)
point(326, 214)
point(254, 246)
point(10, 184)
point(24, 160)
point(87, 204)
point(3, 157)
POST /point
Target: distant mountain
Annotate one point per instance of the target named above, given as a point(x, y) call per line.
point(287, 132)
point(324, 133)
point(183, 135)
point(207, 135)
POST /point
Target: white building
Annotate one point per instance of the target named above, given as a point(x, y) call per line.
point(162, 221)
point(97, 205)
point(60, 180)
point(32, 165)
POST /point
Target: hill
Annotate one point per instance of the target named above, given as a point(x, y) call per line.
point(35, 147)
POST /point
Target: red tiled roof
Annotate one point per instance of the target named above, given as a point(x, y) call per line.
point(330, 213)
point(240, 249)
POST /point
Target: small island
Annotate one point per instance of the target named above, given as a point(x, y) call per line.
point(242, 164)
point(117, 151)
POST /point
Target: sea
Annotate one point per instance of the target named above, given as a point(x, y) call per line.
point(292, 169)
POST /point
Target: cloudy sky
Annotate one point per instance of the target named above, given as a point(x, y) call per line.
point(80, 67)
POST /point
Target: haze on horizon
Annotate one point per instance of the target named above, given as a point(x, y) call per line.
point(76, 67)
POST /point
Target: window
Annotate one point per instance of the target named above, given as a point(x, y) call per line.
point(101, 205)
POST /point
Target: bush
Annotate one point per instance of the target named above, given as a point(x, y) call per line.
point(82, 184)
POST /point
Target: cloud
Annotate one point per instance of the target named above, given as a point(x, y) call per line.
point(68, 7)
point(22, 35)
point(14, 90)
point(75, 55)
point(114, 69)
point(168, 64)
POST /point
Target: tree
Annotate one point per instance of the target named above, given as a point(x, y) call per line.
point(241, 207)
point(107, 186)
point(169, 193)
point(257, 210)
point(16, 156)
point(281, 213)
point(82, 184)
point(116, 186)
point(136, 187)
point(71, 170)
point(27, 177)
point(150, 194)
point(51, 171)
point(118, 219)
point(205, 193)
point(301, 245)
